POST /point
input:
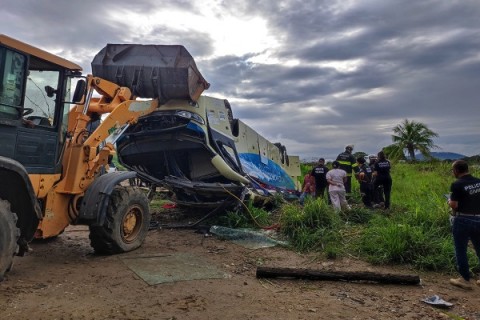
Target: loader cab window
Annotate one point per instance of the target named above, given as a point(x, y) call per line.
point(40, 97)
point(70, 86)
point(12, 73)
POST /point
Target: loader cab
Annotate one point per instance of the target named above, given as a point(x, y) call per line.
point(35, 97)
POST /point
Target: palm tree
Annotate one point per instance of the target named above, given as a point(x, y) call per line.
point(412, 135)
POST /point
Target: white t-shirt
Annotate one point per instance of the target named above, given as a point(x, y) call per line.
point(336, 176)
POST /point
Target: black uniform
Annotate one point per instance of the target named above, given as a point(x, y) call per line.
point(320, 173)
point(466, 225)
point(366, 185)
point(348, 164)
point(466, 190)
point(377, 193)
point(383, 178)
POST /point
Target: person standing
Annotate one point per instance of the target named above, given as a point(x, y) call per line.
point(320, 174)
point(308, 188)
point(349, 165)
point(465, 203)
point(365, 180)
point(336, 179)
point(382, 177)
point(377, 193)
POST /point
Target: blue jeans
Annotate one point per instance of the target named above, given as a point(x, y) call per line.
point(464, 229)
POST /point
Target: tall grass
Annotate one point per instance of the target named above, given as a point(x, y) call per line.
point(314, 226)
point(415, 231)
point(245, 217)
point(398, 240)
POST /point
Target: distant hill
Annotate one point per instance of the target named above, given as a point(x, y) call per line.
point(473, 159)
point(443, 156)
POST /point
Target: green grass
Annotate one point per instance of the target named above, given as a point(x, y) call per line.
point(386, 240)
point(247, 216)
point(415, 231)
point(156, 204)
point(312, 227)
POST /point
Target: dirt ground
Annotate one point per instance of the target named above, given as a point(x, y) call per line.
point(63, 279)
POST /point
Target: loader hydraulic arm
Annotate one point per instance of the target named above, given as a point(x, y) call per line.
point(85, 153)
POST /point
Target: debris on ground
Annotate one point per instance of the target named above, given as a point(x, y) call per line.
point(246, 237)
point(437, 301)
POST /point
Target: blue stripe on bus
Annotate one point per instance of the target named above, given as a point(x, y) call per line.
point(269, 173)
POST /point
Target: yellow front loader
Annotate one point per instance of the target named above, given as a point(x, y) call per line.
point(53, 164)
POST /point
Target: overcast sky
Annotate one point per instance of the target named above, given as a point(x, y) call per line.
point(314, 75)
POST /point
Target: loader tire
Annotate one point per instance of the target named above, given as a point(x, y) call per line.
point(9, 234)
point(126, 223)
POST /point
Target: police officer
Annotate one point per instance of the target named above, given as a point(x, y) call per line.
point(320, 174)
point(348, 164)
point(382, 177)
point(377, 193)
point(364, 177)
point(465, 203)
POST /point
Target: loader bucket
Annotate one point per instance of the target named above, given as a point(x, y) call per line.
point(151, 71)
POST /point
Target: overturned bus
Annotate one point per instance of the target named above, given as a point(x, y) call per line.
point(191, 144)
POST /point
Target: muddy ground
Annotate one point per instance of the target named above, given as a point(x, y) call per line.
point(63, 279)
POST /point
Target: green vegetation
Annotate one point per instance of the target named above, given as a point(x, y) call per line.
point(156, 204)
point(248, 216)
point(415, 231)
point(315, 226)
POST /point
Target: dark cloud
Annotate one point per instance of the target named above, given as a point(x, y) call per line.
point(414, 60)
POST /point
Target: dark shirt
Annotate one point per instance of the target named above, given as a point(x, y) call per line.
point(466, 190)
point(368, 173)
point(347, 162)
point(320, 173)
point(382, 167)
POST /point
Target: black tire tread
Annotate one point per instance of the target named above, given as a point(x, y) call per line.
point(9, 234)
point(106, 239)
